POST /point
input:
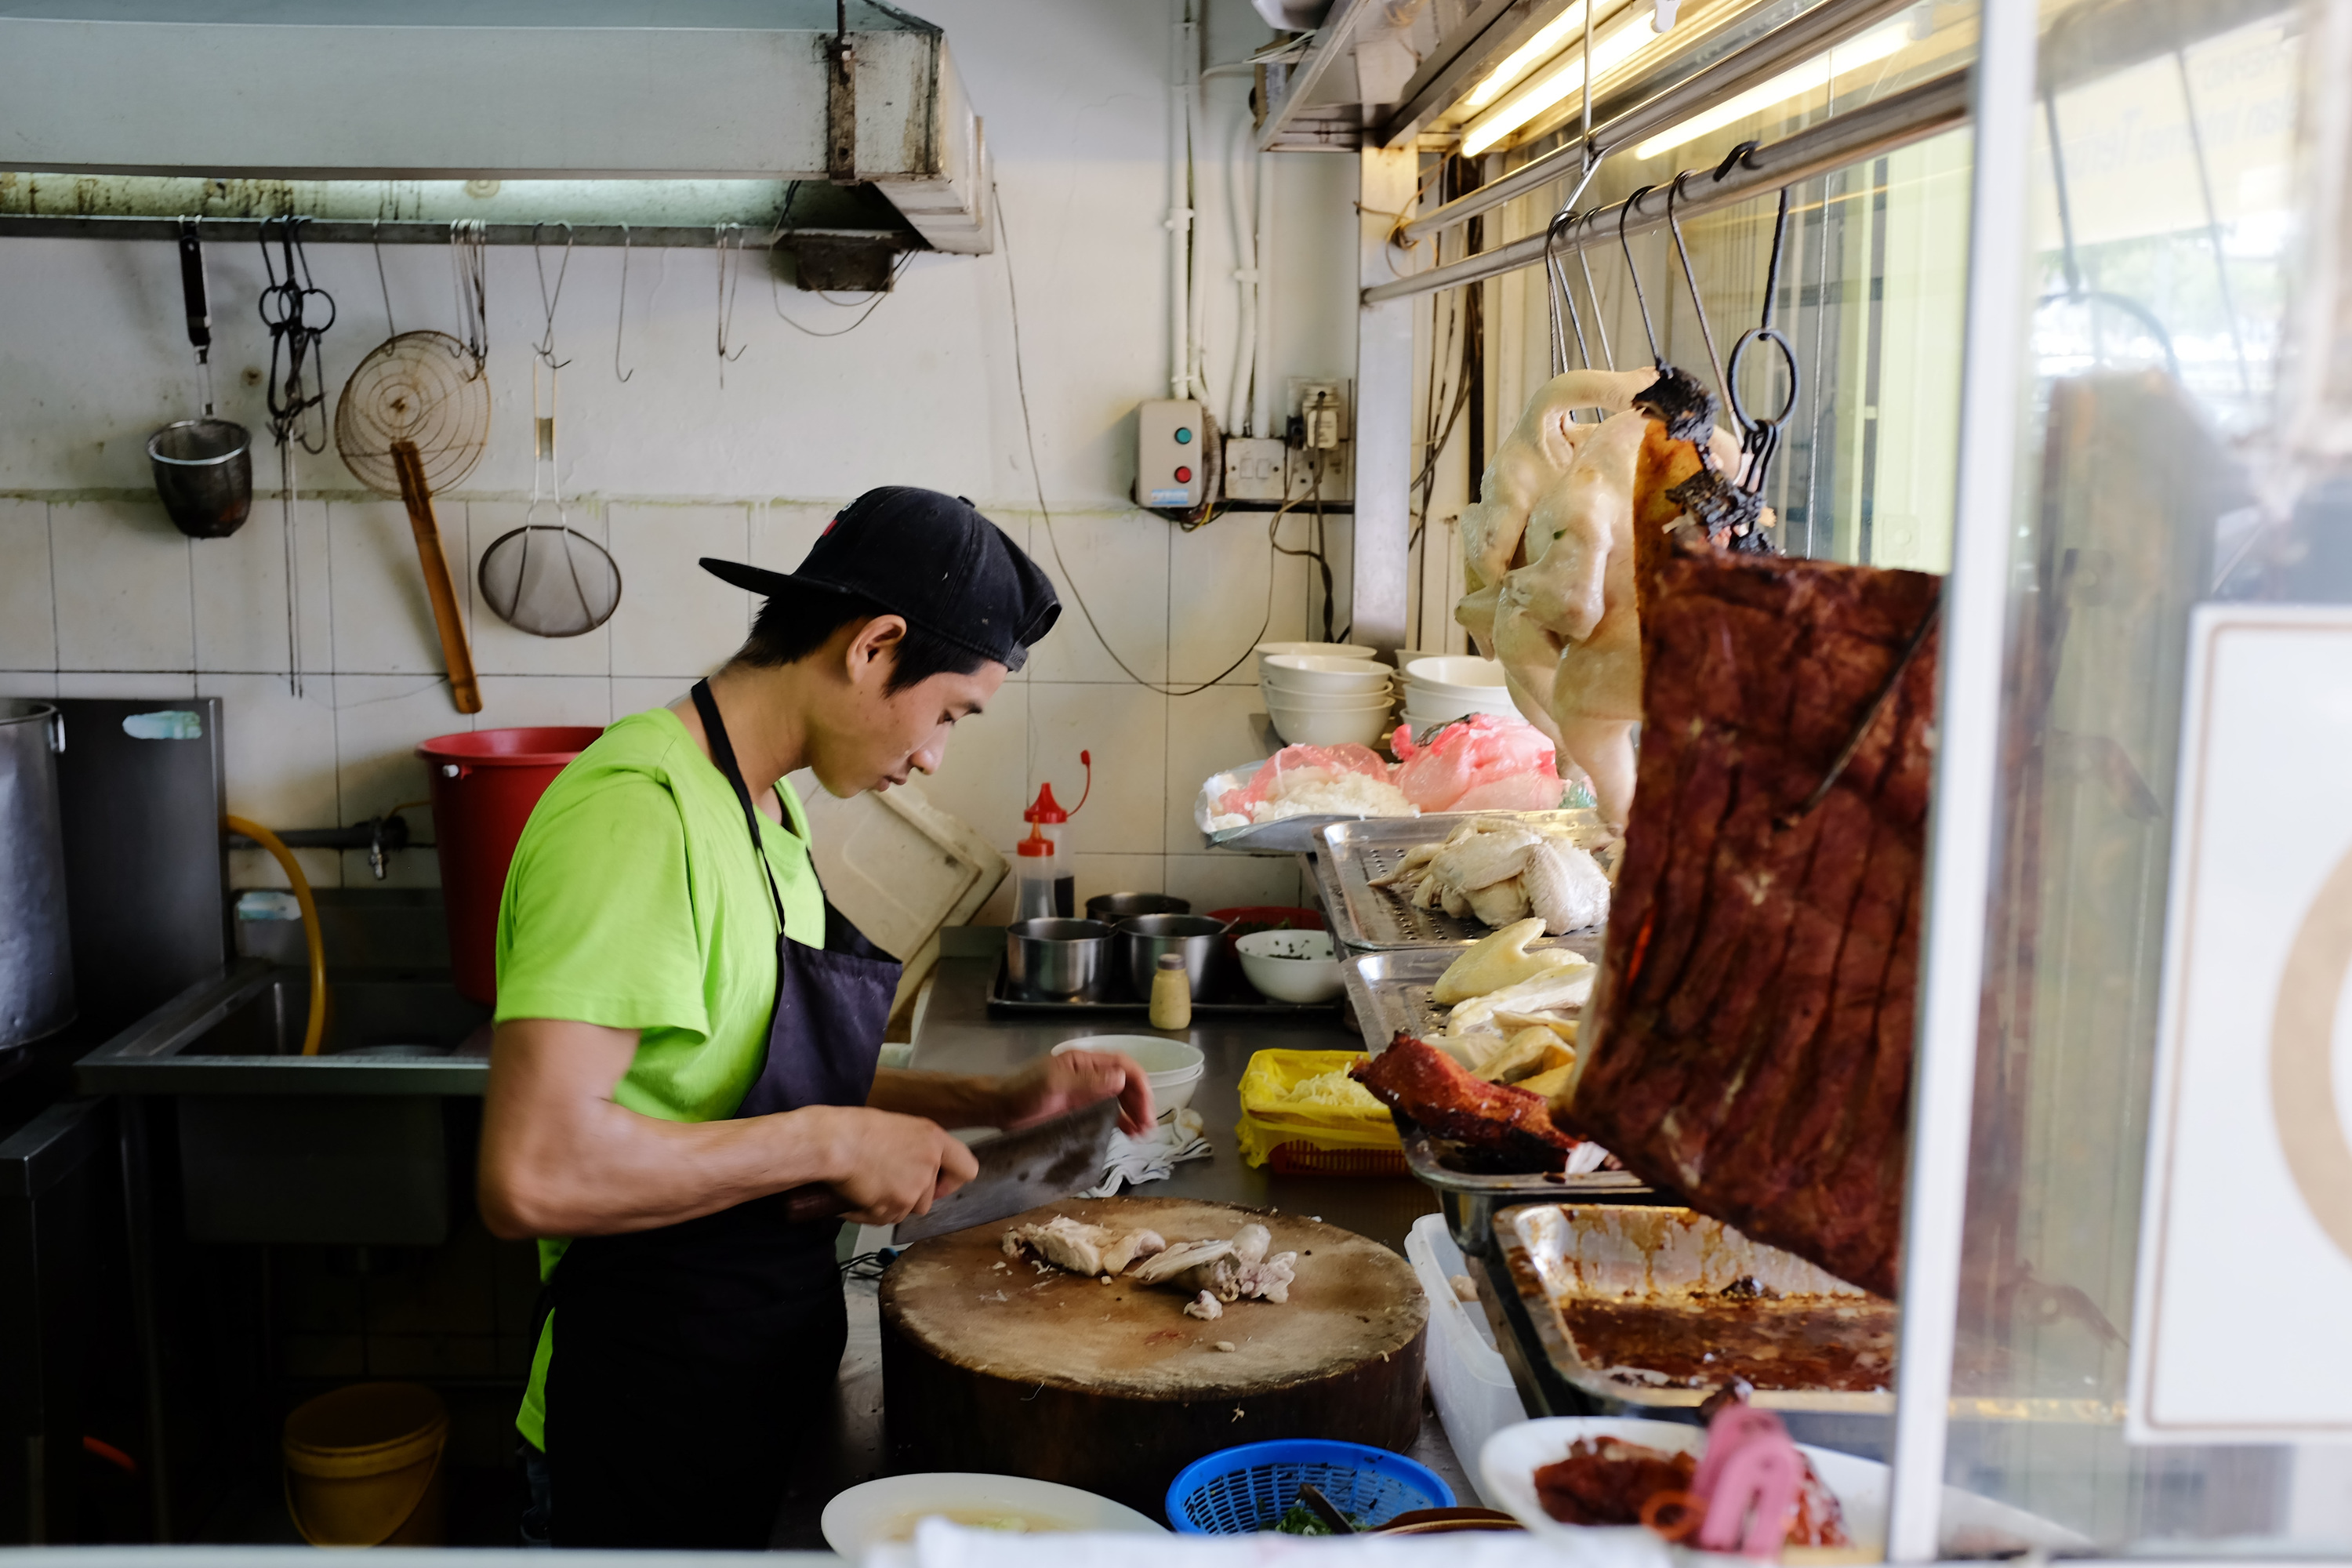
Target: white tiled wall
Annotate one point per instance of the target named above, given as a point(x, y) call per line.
point(105, 598)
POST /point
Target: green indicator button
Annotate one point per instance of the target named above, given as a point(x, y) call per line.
point(1183, 433)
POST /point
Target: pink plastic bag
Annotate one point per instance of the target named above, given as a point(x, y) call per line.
point(1342, 759)
point(1484, 762)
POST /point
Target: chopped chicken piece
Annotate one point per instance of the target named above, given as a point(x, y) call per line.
point(1227, 1271)
point(1206, 1307)
point(1080, 1247)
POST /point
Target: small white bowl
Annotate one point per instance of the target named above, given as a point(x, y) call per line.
point(887, 1510)
point(1174, 1068)
point(1265, 650)
point(1317, 672)
point(1292, 965)
point(1305, 727)
point(1459, 671)
point(1329, 701)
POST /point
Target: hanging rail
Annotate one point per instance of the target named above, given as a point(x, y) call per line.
point(1790, 44)
point(1912, 115)
point(402, 231)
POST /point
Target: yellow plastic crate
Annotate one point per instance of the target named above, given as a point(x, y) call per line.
point(1322, 1139)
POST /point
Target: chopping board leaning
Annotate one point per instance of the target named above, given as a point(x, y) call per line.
point(1111, 1387)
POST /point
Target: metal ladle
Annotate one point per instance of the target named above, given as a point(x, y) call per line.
point(203, 467)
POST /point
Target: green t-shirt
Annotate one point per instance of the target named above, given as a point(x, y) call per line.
point(634, 902)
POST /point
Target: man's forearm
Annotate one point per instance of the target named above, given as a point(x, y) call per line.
point(952, 1099)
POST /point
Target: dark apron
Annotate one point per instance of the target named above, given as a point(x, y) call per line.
point(694, 1359)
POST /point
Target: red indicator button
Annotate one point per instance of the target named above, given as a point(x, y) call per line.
point(1183, 476)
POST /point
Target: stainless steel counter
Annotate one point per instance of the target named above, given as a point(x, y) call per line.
point(955, 1033)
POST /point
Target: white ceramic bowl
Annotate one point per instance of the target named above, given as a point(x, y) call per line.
point(1508, 1464)
point(881, 1511)
point(1308, 727)
point(1459, 671)
point(1291, 965)
point(1329, 701)
point(1422, 711)
point(1173, 1066)
point(1319, 672)
point(1326, 650)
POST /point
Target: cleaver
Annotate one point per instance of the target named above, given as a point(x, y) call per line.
point(1018, 1171)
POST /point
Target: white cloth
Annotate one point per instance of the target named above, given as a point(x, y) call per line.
point(1152, 1157)
point(940, 1544)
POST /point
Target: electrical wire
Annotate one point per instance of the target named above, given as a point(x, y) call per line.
point(1037, 478)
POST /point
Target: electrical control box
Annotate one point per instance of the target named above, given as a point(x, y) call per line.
point(1255, 467)
point(1173, 444)
point(1320, 429)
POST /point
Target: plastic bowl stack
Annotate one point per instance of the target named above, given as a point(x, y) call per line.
point(1322, 700)
point(1267, 650)
point(1440, 689)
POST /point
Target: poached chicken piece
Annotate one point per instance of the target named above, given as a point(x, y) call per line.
point(1419, 1081)
point(1500, 871)
point(1080, 1247)
point(1228, 1271)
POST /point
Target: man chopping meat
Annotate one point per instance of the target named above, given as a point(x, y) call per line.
point(686, 1030)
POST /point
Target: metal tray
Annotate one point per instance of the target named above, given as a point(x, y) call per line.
point(1001, 1000)
point(1291, 835)
point(1679, 1263)
point(1468, 1202)
point(1390, 990)
point(1347, 855)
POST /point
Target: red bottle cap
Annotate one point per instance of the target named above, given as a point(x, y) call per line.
point(1034, 846)
point(1045, 808)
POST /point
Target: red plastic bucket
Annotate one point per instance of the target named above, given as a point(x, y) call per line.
point(484, 783)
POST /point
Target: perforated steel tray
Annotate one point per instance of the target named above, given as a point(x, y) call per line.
point(1390, 991)
point(1347, 855)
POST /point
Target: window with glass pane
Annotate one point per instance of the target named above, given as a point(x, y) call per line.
point(2164, 215)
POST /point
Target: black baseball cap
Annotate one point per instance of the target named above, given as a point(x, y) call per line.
point(929, 557)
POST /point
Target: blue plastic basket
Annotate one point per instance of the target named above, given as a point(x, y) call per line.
point(1239, 1492)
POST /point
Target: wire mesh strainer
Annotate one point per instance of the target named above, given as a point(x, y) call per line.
point(547, 577)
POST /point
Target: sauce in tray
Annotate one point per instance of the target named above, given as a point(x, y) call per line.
point(1841, 1344)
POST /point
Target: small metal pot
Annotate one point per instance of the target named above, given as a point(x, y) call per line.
point(1057, 960)
point(1143, 938)
point(1113, 908)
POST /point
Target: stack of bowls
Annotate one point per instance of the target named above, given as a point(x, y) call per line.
point(1322, 700)
point(1440, 689)
point(1173, 1066)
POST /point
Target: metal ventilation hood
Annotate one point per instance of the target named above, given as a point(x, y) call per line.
point(145, 95)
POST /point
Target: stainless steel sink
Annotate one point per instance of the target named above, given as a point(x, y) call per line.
point(353, 1145)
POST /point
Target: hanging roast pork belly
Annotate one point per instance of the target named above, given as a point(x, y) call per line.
point(1749, 1043)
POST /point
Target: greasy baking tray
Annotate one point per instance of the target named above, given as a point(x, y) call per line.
point(1390, 990)
point(1347, 856)
point(1235, 999)
point(1646, 1311)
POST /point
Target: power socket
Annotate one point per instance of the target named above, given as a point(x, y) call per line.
point(1253, 468)
point(1334, 486)
point(1319, 412)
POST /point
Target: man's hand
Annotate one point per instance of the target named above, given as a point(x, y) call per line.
point(1053, 1085)
point(888, 1167)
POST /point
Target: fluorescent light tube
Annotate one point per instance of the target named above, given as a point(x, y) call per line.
point(1821, 69)
point(1527, 56)
point(1610, 50)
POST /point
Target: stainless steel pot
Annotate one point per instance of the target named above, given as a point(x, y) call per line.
point(1112, 908)
point(36, 991)
point(1057, 960)
point(1143, 938)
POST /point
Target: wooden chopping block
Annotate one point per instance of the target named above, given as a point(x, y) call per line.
point(1111, 1387)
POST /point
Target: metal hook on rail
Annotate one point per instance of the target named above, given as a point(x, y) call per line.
point(1599, 317)
point(621, 326)
point(1759, 435)
point(1649, 327)
point(1690, 279)
point(545, 347)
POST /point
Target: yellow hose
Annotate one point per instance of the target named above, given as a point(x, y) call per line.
point(317, 1030)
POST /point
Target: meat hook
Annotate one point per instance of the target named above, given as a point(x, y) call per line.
point(545, 347)
point(1690, 279)
point(1649, 327)
point(1759, 435)
point(621, 326)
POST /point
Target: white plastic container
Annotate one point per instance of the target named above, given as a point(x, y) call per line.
point(1475, 1398)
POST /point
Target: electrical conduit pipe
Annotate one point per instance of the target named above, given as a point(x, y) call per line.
point(316, 1029)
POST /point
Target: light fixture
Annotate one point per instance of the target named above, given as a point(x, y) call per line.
point(1819, 71)
point(1610, 50)
point(1526, 56)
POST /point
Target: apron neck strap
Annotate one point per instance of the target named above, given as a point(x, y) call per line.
point(722, 753)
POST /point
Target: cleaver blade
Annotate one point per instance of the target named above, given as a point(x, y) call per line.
point(1020, 1170)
